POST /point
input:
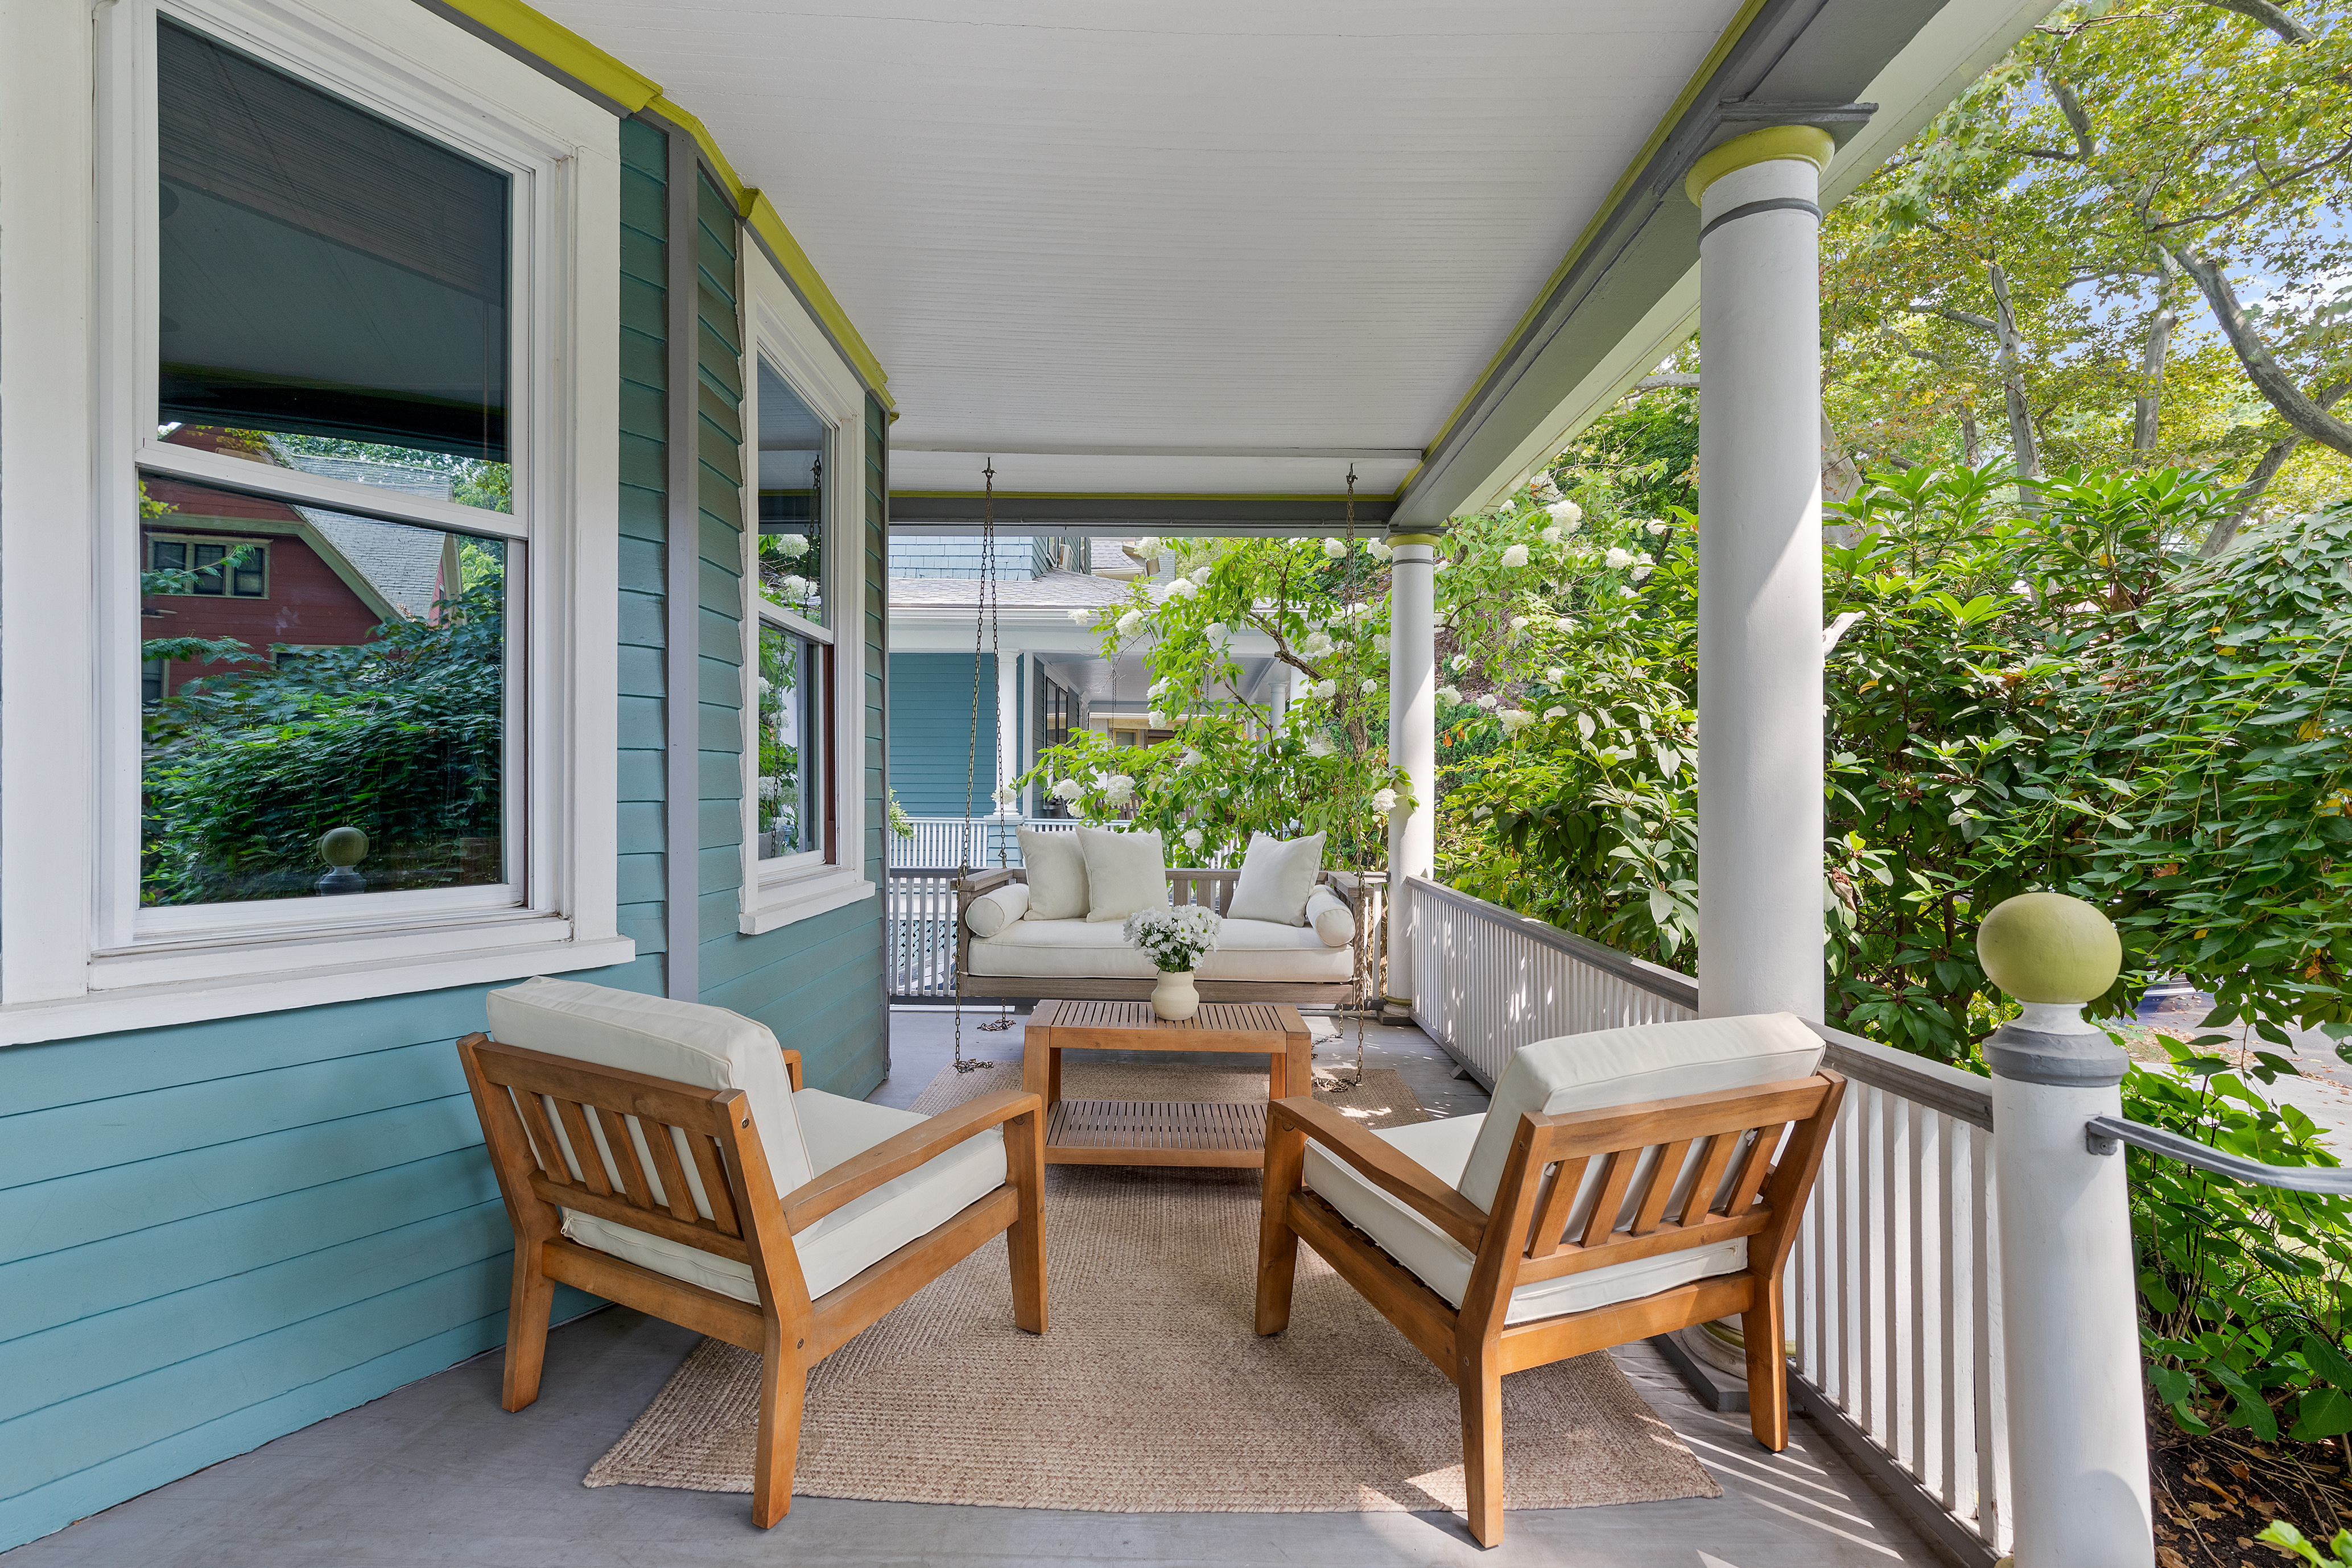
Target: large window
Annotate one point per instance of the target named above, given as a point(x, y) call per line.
point(333, 301)
point(792, 442)
point(793, 796)
point(792, 811)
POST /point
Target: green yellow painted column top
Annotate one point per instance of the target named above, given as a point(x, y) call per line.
point(1810, 143)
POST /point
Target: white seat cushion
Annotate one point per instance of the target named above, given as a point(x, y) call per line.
point(1628, 1067)
point(685, 1042)
point(1066, 950)
point(1441, 1263)
point(853, 1237)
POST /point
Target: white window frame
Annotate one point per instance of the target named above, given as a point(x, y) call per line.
point(791, 888)
point(82, 962)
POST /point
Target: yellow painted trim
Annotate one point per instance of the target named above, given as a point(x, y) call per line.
point(1689, 95)
point(1810, 143)
point(564, 50)
point(760, 217)
point(1416, 539)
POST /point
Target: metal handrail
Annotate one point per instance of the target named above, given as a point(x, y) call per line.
point(2105, 1134)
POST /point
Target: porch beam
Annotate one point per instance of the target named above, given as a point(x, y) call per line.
point(920, 512)
point(1760, 771)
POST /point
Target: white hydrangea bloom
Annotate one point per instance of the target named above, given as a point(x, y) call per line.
point(1080, 617)
point(1118, 789)
point(1552, 534)
point(1384, 801)
point(1519, 623)
point(1318, 645)
point(1327, 689)
point(1655, 526)
point(1192, 838)
point(1130, 622)
point(1450, 695)
point(1564, 624)
point(1379, 550)
point(770, 788)
point(1515, 556)
point(1371, 687)
point(1489, 700)
point(1005, 796)
point(1148, 546)
point(791, 546)
point(1335, 547)
point(1544, 490)
point(1458, 663)
point(1216, 630)
point(1199, 575)
point(1554, 675)
point(1515, 720)
point(1068, 789)
point(1155, 718)
point(1618, 558)
point(1566, 513)
point(1641, 571)
point(1381, 644)
point(1191, 758)
point(1316, 746)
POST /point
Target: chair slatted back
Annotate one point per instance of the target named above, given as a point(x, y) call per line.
point(640, 1151)
point(1675, 1175)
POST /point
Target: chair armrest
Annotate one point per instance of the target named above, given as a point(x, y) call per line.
point(969, 888)
point(894, 1157)
point(1384, 1165)
point(792, 1069)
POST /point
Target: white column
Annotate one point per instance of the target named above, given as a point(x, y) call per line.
point(1413, 734)
point(1008, 725)
point(1759, 602)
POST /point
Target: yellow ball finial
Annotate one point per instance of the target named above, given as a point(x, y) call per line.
point(343, 846)
point(2048, 947)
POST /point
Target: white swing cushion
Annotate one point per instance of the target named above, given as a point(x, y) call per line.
point(1057, 872)
point(1126, 871)
point(1333, 921)
point(1441, 1263)
point(1083, 950)
point(1278, 876)
point(992, 912)
point(853, 1236)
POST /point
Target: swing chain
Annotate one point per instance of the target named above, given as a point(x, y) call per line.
point(971, 740)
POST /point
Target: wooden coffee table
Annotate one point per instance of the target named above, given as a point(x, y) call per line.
point(1161, 1132)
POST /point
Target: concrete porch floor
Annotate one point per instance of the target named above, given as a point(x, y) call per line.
point(435, 1472)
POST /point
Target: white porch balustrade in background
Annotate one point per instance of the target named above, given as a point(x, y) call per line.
point(1893, 1291)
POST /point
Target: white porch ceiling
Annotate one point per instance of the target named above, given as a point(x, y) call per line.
point(1111, 230)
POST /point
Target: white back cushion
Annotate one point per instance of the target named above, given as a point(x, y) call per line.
point(1276, 876)
point(1124, 872)
point(1057, 875)
point(686, 1042)
point(1629, 1067)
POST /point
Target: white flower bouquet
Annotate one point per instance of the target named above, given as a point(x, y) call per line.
point(1177, 938)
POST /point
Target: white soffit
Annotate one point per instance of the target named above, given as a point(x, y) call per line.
point(1220, 228)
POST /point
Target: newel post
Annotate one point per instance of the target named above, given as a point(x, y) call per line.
point(2077, 1426)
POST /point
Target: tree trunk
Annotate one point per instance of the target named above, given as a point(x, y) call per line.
point(1841, 475)
point(2304, 415)
point(2226, 531)
point(2149, 405)
point(2022, 447)
point(1971, 443)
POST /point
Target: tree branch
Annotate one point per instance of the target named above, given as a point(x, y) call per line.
point(2225, 530)
point(1981, 323)
point(2078, 119)
point(2303, 414)
point(2275, 17)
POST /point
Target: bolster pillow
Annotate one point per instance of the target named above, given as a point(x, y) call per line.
point(1332, 920)
point(992, 913)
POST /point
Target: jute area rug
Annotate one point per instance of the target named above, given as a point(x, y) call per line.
point(1150, 1393)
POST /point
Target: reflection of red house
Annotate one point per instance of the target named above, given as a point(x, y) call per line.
point(323, 579)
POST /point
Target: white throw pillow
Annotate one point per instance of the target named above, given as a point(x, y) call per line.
point(1125, 872)
point(1057, 875)
point(992, 913)
point(1276, 876)
point(1333, 921)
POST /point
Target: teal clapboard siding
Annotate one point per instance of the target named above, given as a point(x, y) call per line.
point(213, 1235)
point(931, 744)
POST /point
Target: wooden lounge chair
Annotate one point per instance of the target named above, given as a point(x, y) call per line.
point(719, 1194)
point(1622, 1184)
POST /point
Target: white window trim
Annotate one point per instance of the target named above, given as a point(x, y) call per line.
point(76, 118)
point(777, 894)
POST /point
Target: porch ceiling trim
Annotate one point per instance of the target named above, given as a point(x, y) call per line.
point(1781, 61)
point(916, 512)
point(547, 45)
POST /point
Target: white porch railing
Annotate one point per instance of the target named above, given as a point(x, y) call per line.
point(952, 841)
point(1893, 1289)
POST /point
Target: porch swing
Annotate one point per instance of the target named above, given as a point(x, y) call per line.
point(1006, 950)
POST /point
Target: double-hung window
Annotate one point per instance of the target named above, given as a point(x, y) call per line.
point(803, 758)
point(351, 541)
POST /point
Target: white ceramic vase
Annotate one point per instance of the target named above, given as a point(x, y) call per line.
point(1174, 998)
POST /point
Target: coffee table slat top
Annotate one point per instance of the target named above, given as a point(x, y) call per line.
point(1217, 1026)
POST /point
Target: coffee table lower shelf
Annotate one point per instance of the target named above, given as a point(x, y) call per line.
point(1156, 1132)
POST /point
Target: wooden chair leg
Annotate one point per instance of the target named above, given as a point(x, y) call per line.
point(1764, 1331)
point(1277, 1244)
point(784, 1386)
point(529, 1303)
point(1024, 1162)
point(1481, 1385)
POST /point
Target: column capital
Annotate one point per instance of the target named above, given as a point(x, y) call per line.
point(1810, 143)
point(1416, 534)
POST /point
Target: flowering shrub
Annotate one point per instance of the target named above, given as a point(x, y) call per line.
point(1177, 938)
